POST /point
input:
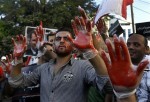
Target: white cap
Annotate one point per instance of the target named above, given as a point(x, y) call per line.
point(3, 58)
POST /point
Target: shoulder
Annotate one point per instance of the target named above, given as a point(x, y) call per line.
point(82, 62)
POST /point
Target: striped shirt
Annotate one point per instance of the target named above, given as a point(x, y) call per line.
point(71, 84)
point(143, 91)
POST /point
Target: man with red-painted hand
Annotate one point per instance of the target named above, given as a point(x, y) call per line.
point(66, 79)
point(94, 94)
point(138, 47)
point(123, 75)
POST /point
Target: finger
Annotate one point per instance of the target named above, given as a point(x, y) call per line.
point(96, 41)
point(93, 22)
point(21, 37)
point(106, 60)
point(41, 30)
point(89, 26)
point(110, 50)
point(38, 30)
point(78, 23)
point(7, 59)
point(118, 49)
point(99, 25)
point(11, 57)
point(125, 50)
point(17, 37)
point(83, 14)
point(13, 41)
point(74, 27)
point(41, 23)
point(82, 23)
point(24, 40)
point(142, 65)
point(70, 39)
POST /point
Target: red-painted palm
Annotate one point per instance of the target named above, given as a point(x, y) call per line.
point(83, 32)
point(19, 46)
point(122, 74)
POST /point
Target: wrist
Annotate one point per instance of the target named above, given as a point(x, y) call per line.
point(17, 61)
point(122, 95)
point(89, 54)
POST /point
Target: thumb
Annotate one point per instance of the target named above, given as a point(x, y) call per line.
point(70, 39)
point(142, 65)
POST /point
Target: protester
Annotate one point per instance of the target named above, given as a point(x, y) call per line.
point(72, 77)
point(66, 70)
point(138, 47)
point(123, 75)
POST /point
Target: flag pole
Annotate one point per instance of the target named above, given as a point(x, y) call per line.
point(132, 17)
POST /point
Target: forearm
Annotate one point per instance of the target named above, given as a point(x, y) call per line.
point(99, 65)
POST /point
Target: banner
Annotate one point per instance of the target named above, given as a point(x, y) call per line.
point(143, 28)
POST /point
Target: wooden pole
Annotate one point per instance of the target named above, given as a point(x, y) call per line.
point(132, 17)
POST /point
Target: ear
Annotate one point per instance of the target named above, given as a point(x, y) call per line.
point(147, 50)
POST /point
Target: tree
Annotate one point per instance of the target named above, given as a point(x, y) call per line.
point(54, 13)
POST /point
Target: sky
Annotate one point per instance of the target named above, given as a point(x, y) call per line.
point(141, 11)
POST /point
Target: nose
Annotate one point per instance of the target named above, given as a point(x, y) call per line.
point(62, 39)
point(130, 46)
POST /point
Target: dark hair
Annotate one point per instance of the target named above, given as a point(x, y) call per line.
point(145, 39)
point(66, 29)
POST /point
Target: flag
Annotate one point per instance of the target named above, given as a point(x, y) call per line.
point(115, 29)
point(117, 7)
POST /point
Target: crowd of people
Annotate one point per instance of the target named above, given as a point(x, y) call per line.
point(76, 68)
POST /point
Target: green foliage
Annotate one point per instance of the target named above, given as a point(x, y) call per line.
point(17, 14)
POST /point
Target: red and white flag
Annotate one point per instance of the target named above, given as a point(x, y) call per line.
point(117, 7)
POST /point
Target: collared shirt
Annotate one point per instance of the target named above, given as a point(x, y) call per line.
point(143, 91)
point(68, 85)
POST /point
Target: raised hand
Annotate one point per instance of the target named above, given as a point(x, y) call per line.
point(83, 34)
point(7, 64)
point(39, 31)
point(83, 40)
point(19, 46)
point(102, 28)
point(98, 43)
point(124, 77)
point(83, 14)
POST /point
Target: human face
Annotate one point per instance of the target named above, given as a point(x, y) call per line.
point(33, 40)
point(136, 48)
point(51, 39)
point(62, 45)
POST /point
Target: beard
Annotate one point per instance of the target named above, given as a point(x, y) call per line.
point(63, 53)
point(136, 60)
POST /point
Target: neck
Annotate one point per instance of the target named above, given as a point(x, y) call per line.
point(136, 61)
point(62, 60)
